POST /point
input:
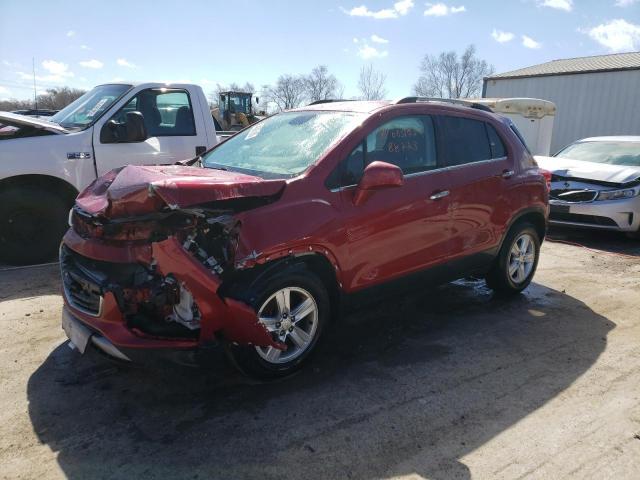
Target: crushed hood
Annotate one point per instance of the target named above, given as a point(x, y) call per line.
point(137, 190)
point(17, 120)
point(599, 172)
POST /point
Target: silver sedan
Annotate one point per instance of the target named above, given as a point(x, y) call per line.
point(595, 183)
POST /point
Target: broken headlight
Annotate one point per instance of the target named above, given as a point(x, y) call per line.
point(617, 194)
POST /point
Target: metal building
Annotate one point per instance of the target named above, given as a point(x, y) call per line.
point(594, 96)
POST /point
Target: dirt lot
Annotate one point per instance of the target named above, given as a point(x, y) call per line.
point(449, 383)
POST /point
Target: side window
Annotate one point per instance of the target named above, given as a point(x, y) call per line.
point(497, 147)
point(407, 142)
point(166, 113)
point(464, 140)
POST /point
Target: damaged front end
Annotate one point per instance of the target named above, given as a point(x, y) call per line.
point(148, 251)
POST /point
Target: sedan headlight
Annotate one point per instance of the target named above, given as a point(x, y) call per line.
point(617, 194)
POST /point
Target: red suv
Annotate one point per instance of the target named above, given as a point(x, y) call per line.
point(278, 228)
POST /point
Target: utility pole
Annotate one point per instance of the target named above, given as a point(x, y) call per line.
point(35, 96)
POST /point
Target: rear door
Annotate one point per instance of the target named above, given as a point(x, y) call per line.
point(398, 230)
point(481, 176)
point(174, 131)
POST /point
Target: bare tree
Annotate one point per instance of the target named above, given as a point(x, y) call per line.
point(450, 76)
point(54, 99)
point(59, 97)
point(288, 92)
point(371, 83)
point(321, 85)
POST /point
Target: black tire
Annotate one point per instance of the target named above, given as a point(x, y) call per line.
point(32, 223)
point(499, 278)
point(246, 357)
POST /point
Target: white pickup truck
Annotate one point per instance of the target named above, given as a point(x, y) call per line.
point(45, 163)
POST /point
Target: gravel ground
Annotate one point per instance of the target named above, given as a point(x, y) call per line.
point(447, 383)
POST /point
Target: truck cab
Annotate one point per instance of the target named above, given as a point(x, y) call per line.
point(46, 163)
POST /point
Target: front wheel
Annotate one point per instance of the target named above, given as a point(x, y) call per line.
point(517, 261)
point(293, 307)
point(32, 223)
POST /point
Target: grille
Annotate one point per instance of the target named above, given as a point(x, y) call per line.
point(586, 219)
point(574, 196)
point(81, 292)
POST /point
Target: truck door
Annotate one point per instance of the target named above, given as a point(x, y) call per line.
point(174, 131)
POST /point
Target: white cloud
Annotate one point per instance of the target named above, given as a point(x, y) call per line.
point(376, 39)
point(625, 3)
point(125, 63)
point(617, 35)
point(55, 68)
point(4, 89)
point(367, 52)
point(71, 33)
point(93, 63)
point(85, 47)
point(403, 6)
point(399, 9)
point(442, 10)
point(530, 42)
point(58, 72)
point(566, 5)
point(502, 37)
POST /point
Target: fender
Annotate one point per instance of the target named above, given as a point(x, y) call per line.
point(518, 216)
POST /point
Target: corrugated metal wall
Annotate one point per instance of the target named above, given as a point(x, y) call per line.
point(589, 104)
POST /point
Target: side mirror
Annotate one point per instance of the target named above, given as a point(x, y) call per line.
point(377, 176)
point(134, 124)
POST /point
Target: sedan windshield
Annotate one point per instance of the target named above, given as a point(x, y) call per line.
point(613, 153)
point(89, 107)
point(283, 145)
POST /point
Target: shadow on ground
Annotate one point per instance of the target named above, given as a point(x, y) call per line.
point(607, 241)
point(16, 283)
point(407, 387)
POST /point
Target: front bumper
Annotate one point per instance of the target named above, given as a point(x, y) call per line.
point(96, 303)
point(619, 215)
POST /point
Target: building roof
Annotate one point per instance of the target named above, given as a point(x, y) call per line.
point(571, 66)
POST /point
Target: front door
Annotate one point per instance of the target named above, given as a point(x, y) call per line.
point(403, 229)
point(173, 131)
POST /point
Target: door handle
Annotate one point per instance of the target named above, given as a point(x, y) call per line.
point(507, 173)
point(439, 195)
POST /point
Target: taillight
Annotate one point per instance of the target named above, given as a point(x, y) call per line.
point(547, 176)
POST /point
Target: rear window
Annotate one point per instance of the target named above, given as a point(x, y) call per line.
point(465, 140)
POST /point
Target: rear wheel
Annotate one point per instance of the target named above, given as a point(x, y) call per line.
point(32, 223)
point(516, 263)
point(293, 306)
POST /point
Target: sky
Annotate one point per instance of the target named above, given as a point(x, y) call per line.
point(82, 44)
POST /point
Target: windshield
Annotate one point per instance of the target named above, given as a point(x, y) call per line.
point(283, 145)
point(89, 107)
point(613, 153)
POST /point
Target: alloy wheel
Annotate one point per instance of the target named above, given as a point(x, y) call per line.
point(522, 257)
point(291, 316)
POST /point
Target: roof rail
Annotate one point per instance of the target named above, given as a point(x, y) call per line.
point(329, 100)
point(454, 101)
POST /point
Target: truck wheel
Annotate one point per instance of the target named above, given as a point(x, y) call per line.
point(294, 306)
point(32, 223)
point(516, 263)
